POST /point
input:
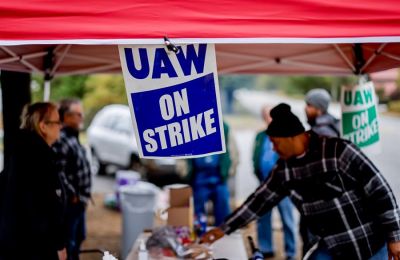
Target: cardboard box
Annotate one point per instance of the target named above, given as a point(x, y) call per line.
point(181, 211)
point(180, 195)
point(180, 216)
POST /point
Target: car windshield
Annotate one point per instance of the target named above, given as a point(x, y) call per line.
point(124, 124)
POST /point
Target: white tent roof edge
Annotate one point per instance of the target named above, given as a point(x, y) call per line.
point(160, 40)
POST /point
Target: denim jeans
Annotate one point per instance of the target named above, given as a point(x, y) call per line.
point(264, 229)
point(218, 194)
point(76, 230)
point(323, 254)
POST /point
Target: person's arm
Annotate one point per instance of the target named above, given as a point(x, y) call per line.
point(61, 149)
point(84, 175)
point(380, 196)
point(266, 196)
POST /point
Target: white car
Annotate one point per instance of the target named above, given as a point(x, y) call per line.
point(112, 142)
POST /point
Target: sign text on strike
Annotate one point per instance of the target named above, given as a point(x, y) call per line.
point(178, 133)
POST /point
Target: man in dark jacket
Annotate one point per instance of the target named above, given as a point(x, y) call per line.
point(321, 122)
point(75, 166)
point(208, 178)
point(264, 160)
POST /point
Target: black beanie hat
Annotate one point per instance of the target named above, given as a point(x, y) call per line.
point(284, 122)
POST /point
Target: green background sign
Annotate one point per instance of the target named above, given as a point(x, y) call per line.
point(361, 127)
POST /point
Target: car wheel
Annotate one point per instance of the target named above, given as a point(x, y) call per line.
point(97, 166)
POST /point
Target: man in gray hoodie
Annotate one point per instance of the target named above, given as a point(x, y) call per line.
point(321, 122)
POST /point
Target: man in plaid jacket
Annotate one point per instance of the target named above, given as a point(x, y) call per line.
point(345, 200)
point(76, 172)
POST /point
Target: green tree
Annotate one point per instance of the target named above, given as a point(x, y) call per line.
point(103, 90)
point(61, 87)
point(95, 91)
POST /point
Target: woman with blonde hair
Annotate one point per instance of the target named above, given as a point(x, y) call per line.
point(33, 204)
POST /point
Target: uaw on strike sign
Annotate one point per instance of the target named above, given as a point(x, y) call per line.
point(360, 117)
point(174, 99)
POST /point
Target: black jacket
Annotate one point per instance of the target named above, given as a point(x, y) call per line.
point(33, 202)
point(326, 125)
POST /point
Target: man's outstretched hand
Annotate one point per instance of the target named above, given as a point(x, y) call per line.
point(394, 250)
point(212, 236)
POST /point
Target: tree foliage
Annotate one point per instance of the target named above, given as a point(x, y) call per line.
point(103, 90)
point(61, 87)
point(95, 91)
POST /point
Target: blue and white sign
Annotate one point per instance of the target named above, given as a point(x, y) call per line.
point(174, 99)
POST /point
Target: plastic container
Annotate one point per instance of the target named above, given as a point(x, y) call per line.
point(143, 254)
point(122, 178)
point(126, 177)
point(138, 203)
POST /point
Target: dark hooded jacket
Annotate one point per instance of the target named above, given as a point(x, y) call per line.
point(326, 125)
point(33, 202)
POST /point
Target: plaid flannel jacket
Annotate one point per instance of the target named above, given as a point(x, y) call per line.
point(75, 167)
point(345, 200)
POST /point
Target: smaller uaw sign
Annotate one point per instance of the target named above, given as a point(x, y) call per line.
point(174, 99)
point(360, 118)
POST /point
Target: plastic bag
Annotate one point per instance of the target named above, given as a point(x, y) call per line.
point(166, 242)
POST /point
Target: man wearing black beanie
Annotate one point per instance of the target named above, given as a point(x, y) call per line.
point(345, 200)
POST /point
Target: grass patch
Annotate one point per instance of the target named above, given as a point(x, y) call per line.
point(394, 106)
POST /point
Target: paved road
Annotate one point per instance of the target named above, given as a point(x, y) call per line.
point(388, 161)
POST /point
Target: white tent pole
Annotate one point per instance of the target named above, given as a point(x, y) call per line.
point(26, 63)
point(60, 59)
point(344, 57)
point(373, 56)
point(46, 92)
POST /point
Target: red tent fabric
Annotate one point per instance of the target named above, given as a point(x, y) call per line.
point(286, 36)
point(203, 19)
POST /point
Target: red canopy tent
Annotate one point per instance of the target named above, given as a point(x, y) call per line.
point(286, 36)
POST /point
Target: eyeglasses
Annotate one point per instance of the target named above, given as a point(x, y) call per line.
point(53, 123)
point(79, 114)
